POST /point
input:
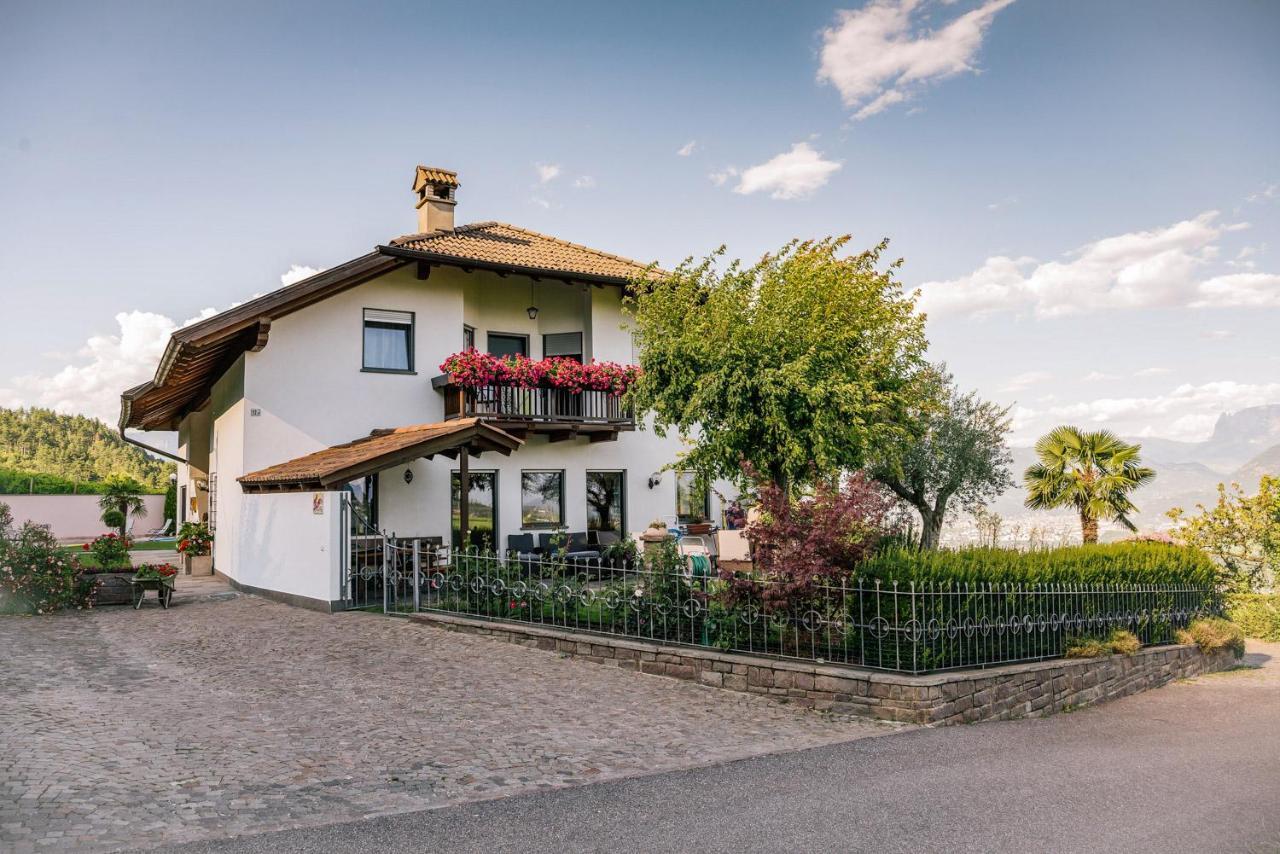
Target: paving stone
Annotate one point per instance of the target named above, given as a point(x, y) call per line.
point(231, 714)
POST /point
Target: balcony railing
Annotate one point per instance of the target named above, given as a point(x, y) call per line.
point(534, 405)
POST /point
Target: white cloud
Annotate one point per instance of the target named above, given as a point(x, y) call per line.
point(109, 363)
point(547, 172)
point(1217, 334)
point(584, 182)
point(793, 174)
point(882, 54)
point(719, 178)
point(1265, 193)
point(540, 202)
point(1099, 376)
point(1188, 412)
point(1152, 372)
point(105, 366)
point(1007, 201)
point(1026, 379)
point(298, 272)
point(1252, 290)
point(1142, 269)
point(688, 148)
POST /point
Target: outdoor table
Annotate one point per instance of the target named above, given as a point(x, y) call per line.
point(162, 586)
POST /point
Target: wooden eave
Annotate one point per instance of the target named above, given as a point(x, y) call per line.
point(332, 467)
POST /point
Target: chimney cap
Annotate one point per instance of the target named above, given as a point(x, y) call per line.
point(434, 176)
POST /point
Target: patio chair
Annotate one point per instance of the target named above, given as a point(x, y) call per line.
point(164, 530)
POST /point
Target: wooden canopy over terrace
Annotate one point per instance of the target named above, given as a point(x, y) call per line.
point(332, 467)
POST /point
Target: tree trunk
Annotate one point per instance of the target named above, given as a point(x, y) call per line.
point(931, 529)
point(1088, 528)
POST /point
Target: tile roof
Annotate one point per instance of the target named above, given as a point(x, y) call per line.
point(384, 449)
point(430, 174)
point(497, 243)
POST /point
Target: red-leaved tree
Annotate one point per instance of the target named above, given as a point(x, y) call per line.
point(801, 544)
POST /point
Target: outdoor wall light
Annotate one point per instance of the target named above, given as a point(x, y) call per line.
point(408, 475)
point(655, 479)
point(532, 311)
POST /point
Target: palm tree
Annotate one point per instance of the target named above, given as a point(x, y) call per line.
point(1091, 472)
point(123, 493)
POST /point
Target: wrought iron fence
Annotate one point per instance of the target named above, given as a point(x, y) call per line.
point(861, 622)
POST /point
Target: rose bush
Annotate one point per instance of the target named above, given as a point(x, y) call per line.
point(110, 550)
point(35, 575)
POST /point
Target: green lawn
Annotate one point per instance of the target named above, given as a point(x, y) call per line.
point(148, 546)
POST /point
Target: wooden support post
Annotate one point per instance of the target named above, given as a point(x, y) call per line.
point(464, 497)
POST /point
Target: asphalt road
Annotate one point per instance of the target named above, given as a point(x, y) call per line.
point(1194, 766)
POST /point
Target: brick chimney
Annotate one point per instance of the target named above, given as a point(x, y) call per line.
point(435, 189)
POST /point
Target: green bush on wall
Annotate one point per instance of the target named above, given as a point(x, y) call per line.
point(1257, 614)
point(1115, 563)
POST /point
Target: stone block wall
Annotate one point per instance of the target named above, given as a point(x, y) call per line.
point(964, 696)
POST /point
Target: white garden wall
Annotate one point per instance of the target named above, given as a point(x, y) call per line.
point(78, 517)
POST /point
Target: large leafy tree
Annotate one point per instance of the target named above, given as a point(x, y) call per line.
point(1241, 531)
point(1092, 473)
point(794, 368)
point(955, 454)
point(124, 495)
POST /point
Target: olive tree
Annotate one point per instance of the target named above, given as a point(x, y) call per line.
point(955, 455)
point(795, 368)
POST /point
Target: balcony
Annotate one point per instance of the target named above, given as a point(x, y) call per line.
point(556, 412)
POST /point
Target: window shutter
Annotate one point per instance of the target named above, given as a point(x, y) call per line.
point(378, 315)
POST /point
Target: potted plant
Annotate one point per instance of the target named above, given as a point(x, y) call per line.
point(106, 561)
point(195, 543)
point(153, 576)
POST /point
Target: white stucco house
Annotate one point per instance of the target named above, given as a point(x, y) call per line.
point(328, 392)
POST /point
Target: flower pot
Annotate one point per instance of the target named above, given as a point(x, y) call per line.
point(197, 564)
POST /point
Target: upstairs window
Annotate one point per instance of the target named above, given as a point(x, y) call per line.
point(567, 345)
point(505, 344)
point(541, 499)
point(388, 341)
point(468, 338)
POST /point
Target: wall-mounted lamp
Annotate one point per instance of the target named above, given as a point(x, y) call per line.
point(202, 485)
point(532, 311)
point(408, 475)
point(655, 479)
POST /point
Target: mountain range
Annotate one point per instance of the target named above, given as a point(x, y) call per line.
point(1244, 446)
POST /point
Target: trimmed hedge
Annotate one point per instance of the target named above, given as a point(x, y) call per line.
point(1257, 614)
point(1114, 563)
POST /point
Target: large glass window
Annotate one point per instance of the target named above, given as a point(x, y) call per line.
point(388, 340)
point(364, 504)
point(693, 499)
point(606, 501)
point(482, 509)
point(501, 344)
point(541, 499)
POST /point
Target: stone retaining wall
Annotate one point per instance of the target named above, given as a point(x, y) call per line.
point(1010, 691)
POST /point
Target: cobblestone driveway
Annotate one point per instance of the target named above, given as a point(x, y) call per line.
point(124, 729)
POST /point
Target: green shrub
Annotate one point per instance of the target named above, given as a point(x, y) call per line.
point(1212, 634)
point(1257, 614)
point(109, 551)
point(1114, 563)
point(1119, 642)
point(113, 519)
point(35, 575)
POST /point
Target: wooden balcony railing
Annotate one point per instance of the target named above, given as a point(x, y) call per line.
point(550, 406)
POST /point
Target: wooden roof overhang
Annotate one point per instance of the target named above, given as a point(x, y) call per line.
point(198, 354)
point(468, 264)
point(384, 449)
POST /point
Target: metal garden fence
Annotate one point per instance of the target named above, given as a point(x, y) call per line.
point(913, 628)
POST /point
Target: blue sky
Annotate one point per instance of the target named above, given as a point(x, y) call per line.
point(1050, 171)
